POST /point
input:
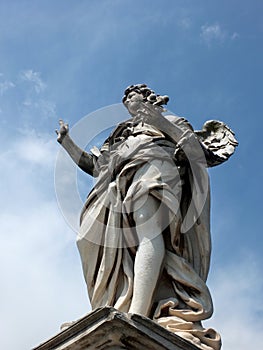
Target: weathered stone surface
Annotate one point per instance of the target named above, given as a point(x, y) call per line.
point(144, 236)
point(107, 328)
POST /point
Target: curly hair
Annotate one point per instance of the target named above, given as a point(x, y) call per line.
point(148, 95)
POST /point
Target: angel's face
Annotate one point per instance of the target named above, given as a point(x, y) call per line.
point(133, 100)
point(134, 97)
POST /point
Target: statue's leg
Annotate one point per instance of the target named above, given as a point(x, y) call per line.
point(149, 256)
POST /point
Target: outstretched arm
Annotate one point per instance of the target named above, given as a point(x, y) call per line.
point(83, 159)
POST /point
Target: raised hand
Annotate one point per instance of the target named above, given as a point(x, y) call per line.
point(63, 131)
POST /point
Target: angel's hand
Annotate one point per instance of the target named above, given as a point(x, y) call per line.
point(63, 131)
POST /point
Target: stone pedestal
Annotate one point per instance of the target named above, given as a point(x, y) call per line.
point(107, 328)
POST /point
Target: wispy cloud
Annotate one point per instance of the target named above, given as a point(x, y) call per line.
point(44, 108)
point(212, 32)
point(185, 23)
point(32, 98)
point(6, 85)
point(34, 78)
point(215, 33)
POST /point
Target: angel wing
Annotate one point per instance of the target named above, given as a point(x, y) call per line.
point(219, 140)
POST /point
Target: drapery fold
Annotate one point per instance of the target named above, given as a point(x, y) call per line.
point(143, 164)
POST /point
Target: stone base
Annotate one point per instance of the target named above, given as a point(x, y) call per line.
point(107, 328)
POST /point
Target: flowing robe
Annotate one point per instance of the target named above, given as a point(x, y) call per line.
point(138, 159)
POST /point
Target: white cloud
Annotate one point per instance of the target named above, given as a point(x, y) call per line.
point(34, 78)
point(41, 277)
point(43, 108)
point(32, 148)
point(35, 99)
point(27, 99)
point(41, 287)
point(212, 32)
point(215, 33)
point(237, 294)
point(6, 85)
point(39, 151)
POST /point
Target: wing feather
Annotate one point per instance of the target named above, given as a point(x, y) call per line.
point(219, 140)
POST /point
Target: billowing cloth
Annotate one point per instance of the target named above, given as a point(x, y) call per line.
point(132, 164)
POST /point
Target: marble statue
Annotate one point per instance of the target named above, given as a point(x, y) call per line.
point(144, 236)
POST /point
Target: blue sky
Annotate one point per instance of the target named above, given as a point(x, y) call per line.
point(70, 58)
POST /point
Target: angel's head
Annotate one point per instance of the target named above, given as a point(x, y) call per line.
point(135, 94)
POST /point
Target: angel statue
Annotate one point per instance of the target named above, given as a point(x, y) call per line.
point(144, 236)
